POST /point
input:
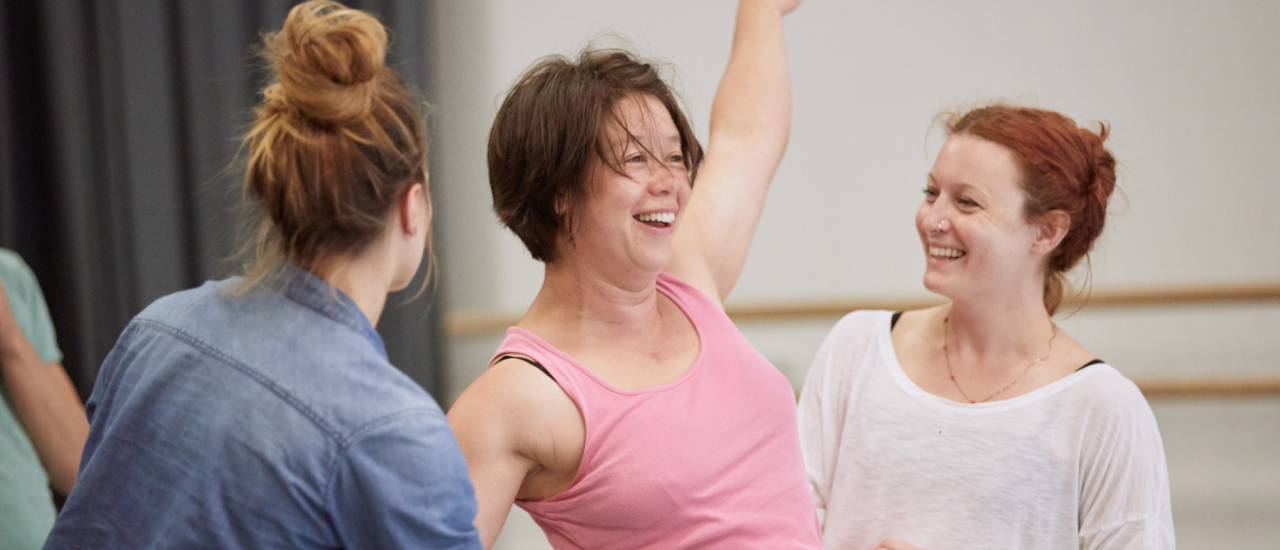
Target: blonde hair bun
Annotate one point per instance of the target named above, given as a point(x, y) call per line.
point(338, 137)
point(327, 60)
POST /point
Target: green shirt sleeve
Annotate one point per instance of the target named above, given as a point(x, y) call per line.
point(28, 305)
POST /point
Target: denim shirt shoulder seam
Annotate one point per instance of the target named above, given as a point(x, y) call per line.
point(259, 377)
point(340, 449)
point(379, 422)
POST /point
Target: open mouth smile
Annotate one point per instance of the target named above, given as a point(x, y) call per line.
point(945, 253)
point(657, 219)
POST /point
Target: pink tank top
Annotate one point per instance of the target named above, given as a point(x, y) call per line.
point(711, 460)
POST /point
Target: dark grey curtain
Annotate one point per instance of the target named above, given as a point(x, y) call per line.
point(119, 125)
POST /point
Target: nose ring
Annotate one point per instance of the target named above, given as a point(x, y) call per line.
point(943, 225)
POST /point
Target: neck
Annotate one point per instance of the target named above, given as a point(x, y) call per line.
point(592, 301)
point(1001, 324)
point(366, 280)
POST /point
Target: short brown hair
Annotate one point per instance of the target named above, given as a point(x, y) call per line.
point(338, 138)
point(552, 124)
point(1062, 166)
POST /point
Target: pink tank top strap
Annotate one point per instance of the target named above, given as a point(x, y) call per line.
point(697, 306)
point(714, 327)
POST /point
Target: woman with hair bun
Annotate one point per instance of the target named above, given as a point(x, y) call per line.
point(979, 423)
point(261, 411)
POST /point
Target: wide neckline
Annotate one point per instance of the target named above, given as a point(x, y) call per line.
point(885, 337)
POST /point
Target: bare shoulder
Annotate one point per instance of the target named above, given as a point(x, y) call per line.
point(510, 401)
point(522, 438)
point(515, 422)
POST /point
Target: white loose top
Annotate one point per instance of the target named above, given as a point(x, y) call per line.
point(1077, 463)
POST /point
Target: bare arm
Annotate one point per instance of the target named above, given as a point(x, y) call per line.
point(750, 125)
point(45, 402)
point(517, 431)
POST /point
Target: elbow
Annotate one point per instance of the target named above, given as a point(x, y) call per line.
point(63, 479)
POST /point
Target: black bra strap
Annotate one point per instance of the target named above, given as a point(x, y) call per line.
point(1091, 363)
point(529, 361)
point(894, 320)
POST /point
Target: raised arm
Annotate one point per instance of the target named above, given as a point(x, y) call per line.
point(750, 125)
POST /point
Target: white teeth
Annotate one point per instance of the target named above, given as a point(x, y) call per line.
point(664, 217)
point(940, 252)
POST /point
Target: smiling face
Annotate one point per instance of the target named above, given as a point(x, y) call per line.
point(976, 240)
point(631, 210)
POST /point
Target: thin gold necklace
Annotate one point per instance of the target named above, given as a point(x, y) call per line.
point(946, 335)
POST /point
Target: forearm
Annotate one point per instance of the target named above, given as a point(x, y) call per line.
point(752, 107)
point(46, 403)
point(750, 125)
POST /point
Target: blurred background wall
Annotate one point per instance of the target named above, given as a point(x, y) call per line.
point(1190, 89)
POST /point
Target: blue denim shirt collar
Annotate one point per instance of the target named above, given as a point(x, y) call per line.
point(301, 286)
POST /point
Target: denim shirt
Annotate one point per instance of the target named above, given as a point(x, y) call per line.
point(269, 419)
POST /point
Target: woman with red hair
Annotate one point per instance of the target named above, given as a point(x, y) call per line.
point(979, 423)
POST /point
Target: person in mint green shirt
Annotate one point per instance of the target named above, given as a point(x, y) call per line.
point(42, 422)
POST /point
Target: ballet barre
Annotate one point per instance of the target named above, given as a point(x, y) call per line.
point(465, 324)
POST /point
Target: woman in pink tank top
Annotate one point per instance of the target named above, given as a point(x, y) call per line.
point(625, 410)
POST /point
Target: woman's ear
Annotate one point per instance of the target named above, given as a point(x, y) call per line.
point(561, 204)
point(414, 210)
point(1051, 229)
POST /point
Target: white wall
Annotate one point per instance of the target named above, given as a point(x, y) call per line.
point(1191, 90)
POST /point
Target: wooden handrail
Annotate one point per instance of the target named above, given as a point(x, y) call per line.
point(470, 323)
point(464, 324)
point(1131, 297)
point(1211, 387)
